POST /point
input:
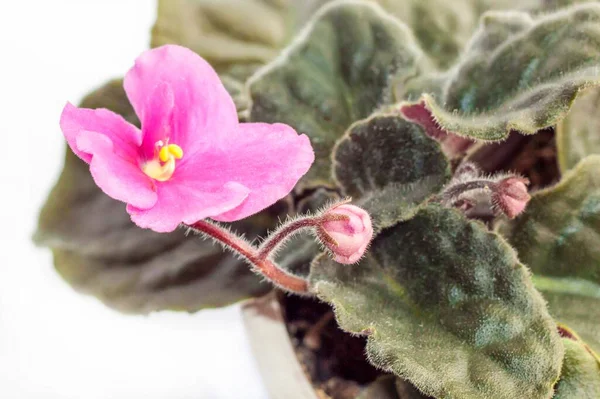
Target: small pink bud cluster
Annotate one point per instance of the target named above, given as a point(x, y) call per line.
point(346, 231)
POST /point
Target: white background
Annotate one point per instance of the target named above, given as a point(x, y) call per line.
point(54, 343)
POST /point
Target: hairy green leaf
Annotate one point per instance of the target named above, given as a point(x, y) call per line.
point(390, 166)
point(447, 306)
point(550, 59)
point(558, 237)
point(578, 135)
point(559, 234)
point(442, 27)
point(580, 375)
point(335, 73)
point(99, 251)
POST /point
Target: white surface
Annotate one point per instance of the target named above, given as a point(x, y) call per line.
point(54, 343)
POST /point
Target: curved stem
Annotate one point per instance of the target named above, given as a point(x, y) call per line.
point(267, 268)
point(285, 232)
point(455, 190)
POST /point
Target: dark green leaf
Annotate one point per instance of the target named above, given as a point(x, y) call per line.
point(447, 306)
point(558, 237)
point(390, 166)
point(550, 60)
point(335, 73)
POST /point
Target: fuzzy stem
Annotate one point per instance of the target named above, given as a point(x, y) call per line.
point(458, 189)
point(267, 268)
point(285, 232)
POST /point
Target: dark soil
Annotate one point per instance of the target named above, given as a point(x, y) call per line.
point(537, 160)
point(334, 360)
point(531, 156)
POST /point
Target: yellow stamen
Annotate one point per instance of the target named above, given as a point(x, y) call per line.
point(163, 154)
point(175, 150)
point(162, 169)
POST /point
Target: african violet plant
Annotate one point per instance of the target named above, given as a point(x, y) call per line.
point(471, 287)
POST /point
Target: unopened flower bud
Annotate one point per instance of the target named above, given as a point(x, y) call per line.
point(347, 232)
point(511, 196)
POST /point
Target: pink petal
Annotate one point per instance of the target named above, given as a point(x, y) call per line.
point(157, 118)
point(119, 177)
point(267, 159)
point(126, 137)
point(201, 108)
point(186, 202)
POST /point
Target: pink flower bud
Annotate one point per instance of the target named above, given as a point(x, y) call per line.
point(511, 196)
point(347, 232)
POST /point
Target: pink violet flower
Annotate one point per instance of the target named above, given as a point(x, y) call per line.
point(192, 159)
point(351, 237)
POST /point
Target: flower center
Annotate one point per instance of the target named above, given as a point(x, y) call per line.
point(162, 166)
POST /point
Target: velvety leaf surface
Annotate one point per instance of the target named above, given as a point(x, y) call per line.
point(389, 166)
point(99, 251)
point(447, 306)
point(580, 375)
point(578, 135)
point(335, 73)
point(441, 27)
point(550, 59)
point(558, 237)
